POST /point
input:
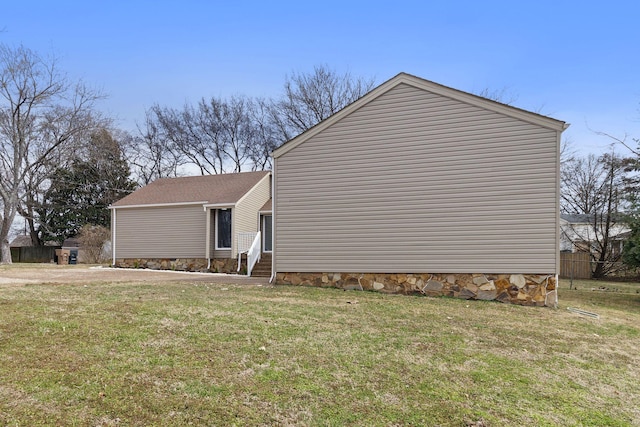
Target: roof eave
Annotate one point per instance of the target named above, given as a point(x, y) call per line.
point(157, 205)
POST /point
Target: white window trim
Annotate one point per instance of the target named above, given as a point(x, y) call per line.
point(264, 235)
point(216, 231)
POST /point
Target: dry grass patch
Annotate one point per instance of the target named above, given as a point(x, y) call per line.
point(203, 354)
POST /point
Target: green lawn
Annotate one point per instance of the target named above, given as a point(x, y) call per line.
point(107, 354)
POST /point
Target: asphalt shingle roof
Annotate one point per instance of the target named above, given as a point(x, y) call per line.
point(21, 241)
point(577, 218)
point(211, 189)
point(267, 207)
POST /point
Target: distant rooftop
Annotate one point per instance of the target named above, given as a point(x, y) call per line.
point(585, 218)
point(21, 241)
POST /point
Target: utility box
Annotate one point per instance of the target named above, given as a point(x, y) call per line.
point(63, 256)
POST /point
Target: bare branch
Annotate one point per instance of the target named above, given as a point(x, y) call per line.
point(311, 98)
point(40, 113)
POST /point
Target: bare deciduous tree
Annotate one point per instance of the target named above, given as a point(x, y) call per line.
point(150, 153)
point(504, 95)
point(190, 135)
point(215, 136)
point(266, 136)
point(311, 98)
point(239, 133)
point(40, 112)
point(624, 141)
point(594, 188)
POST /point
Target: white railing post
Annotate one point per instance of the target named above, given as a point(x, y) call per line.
point(255, 251)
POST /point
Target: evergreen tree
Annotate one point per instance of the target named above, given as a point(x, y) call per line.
point(631, 251)
point(80, 193)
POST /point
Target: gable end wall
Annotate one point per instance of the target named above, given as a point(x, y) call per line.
point(418, 182)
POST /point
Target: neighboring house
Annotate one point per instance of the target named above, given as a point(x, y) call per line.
point(191, 223)
point(580, 233)
point(418, 187)
point(21, 241)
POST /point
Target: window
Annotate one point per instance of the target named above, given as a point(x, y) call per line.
point(223, 229)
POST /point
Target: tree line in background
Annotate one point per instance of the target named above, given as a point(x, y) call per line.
point(63, 162)
point(236, 134)
point(597, 191)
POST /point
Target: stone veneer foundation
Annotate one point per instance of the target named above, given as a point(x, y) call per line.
point(523, 289)
point(218, 265)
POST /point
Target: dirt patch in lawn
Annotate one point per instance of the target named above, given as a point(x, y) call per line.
point(25, 274)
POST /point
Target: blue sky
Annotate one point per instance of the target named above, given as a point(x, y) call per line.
point(576, 61)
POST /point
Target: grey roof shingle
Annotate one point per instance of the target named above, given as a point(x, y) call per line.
point(21, 241)
point(577, 218)
point(267, 207)
point(589, 218)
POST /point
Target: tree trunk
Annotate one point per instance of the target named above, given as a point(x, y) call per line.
point(5, 250)
point(33, 233)
point(8, 216)
point(599, 271)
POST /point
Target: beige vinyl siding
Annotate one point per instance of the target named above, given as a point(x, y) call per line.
point(221, 253)
point(161, 232)
point(419, 182)
point(246, 211)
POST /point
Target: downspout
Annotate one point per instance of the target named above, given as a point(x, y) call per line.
point(207, 245)
point(273, 224)
point(113, 237)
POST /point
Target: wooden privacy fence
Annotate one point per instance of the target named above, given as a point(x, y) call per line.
point(576, 265)
point(34, 253)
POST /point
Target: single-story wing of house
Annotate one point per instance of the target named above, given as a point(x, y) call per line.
point(191, 223)
point(418, 187)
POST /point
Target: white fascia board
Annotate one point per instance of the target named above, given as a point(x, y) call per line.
point(218, 205)
point(157, 205)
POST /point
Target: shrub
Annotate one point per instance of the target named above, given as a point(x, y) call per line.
point(92, 239)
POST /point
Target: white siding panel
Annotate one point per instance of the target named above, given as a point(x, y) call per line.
point(161, 232)
point(415, 182)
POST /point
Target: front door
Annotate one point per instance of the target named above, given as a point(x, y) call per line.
point(267, 227)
